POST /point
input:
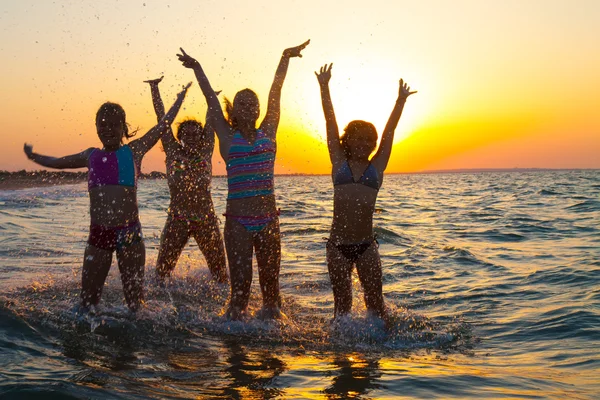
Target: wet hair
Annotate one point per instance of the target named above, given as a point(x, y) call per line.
point(229, 106)
point(228, 110)
point(114, 108)
point(192, 123)
point(355, 127)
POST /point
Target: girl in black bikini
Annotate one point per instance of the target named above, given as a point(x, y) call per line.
point(356, 180)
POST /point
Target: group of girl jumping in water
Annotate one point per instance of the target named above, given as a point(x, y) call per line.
point(252, 217)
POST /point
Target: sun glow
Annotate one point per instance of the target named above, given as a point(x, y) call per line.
point(476, 89)
point(358, 93)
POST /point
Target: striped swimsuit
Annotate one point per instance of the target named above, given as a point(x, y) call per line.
point(250, 174)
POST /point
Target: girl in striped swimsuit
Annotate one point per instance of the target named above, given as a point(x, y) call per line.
point(252, 223)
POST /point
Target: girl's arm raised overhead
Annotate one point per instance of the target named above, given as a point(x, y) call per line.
point(271, 121)
point(333, 134)
point(159, 107)
point(79, 160)
point(214, 107)
point(209, 130)
point(168, 141)
point(381, 158)
point(141, 146)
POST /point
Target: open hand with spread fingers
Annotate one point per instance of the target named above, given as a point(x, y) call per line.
point(324, 74)
point(404, 90)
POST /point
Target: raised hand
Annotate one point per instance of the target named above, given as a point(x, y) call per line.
point(184, 90)
point(154, 81)
point(404, 90)
point(324, 74)
point(172, 113)
point(28, 149)
point(295, 51)
point(187, 60)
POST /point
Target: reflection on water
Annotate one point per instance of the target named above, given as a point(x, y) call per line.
point(353, 376)
point(252, 375)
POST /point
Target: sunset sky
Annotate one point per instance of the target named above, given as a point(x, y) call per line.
point(501, 84)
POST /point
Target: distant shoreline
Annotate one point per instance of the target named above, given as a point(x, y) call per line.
point(14, 180)
point(41, 178)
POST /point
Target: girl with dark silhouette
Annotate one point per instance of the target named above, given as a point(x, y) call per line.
point(356, 181)
point(191, 211)
point(112, 183)
point(252, 224)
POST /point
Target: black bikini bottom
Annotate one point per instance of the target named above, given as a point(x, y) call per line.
point(352, 252)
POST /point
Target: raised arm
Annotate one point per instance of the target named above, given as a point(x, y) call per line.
point(333, 134)
point(381, 158)
point(271, 121)
point(79, 160)
point(209, 131)
point(214, 107)
point(168, 140)
point(142, 145)
point(159, 107)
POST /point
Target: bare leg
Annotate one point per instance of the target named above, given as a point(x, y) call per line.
point(132, 259)
point(267, 244)
point(210, 243)
point(174, 237)
point(238, 243)
point(96, 264)
point(369, 273)
point(340, 275)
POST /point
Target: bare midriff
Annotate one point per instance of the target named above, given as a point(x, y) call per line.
point(190, 193)
point(113, 205)
point(252, 206)
point(353, 207)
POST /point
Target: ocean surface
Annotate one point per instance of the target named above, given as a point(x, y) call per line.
point(493, 280)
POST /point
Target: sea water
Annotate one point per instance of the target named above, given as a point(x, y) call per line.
point(492, 280)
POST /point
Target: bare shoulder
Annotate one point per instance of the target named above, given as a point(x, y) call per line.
point(85, 154)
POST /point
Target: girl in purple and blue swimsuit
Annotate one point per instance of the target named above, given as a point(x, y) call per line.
point(112, 186)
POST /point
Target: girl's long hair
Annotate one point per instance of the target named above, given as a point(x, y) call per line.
point(229, 107)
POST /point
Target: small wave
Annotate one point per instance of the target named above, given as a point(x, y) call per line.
point(548, 192)
point(497, 236)
point(563, 276)
point(311, 285)
point(535, 230)
point(563, 323)
point(585, 206)
point(462, 256)
point(289, 229)
point(389, 236)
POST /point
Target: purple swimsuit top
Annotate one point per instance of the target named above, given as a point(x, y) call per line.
point(112, 168)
